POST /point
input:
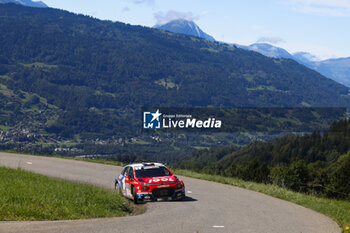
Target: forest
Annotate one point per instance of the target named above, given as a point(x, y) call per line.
point(317, 163)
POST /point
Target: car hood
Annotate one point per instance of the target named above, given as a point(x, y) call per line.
point(158, 180)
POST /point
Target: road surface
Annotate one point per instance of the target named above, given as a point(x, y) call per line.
point(212, 207)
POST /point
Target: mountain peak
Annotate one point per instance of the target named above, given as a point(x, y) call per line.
point(305, 57)
point(269, 50)
point(336, 69)
point(29, 3)
point(186, 27)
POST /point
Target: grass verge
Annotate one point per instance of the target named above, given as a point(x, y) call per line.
point(338, 210)
point(101, 161)
point(28, 196)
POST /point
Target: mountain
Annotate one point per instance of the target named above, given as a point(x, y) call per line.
point(335, 69)
point(269, 50)
point(186, 27)
point(73, 76)
point(305, 59)
point(29, 3)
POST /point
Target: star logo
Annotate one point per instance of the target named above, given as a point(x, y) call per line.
point(156, 115)
point(152, 120)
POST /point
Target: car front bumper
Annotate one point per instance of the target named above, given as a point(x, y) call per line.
point(149, 196)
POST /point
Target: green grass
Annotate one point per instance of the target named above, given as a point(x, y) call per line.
point(262, 88)
point(4, 127)
point(39, 65)
point(201, 147)
point(101, 161)
point(5, 77)
point(5, 91)
point(338, 210)
point(305, 104)
point(212, 50)
point(167, 83)
point(140, 142)
point(28, 196)
point(104, 93)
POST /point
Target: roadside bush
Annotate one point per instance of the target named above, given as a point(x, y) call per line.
point(295, 176)
point(340, 178)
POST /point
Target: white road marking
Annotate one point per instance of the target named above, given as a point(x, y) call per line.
point(189, 191)
point(30, 163)
point(218, 226)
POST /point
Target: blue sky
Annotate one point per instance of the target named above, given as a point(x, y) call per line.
point(320, 27)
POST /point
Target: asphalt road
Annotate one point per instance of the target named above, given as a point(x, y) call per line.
point(212, 207)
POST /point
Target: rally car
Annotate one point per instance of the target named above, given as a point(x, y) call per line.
point(149, 182)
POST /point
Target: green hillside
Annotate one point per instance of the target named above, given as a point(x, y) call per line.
point(92, 76)
point(72, 82)
point(317, 163)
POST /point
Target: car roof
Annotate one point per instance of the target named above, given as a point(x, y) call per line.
point(145, 165)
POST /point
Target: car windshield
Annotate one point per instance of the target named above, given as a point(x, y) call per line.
point(152, 172)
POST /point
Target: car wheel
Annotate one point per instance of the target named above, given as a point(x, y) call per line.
point(136, 201)
point(118, 189)
point(183, 197)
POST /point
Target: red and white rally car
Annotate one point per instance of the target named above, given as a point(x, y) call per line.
point(149, 182)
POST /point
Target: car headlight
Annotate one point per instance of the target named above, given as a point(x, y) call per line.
point(178, 186)
point(145, 188)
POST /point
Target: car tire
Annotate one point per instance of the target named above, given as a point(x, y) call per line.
point(136, 201)
point(182, 198)
point(118, 189)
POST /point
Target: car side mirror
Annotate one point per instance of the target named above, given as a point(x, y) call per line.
point(127, 178)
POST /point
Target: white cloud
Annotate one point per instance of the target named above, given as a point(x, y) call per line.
point(271, 40)
point(257, 27)
point(151, 2)
point(322, 7)
point(163, 18)
point(126, 9)
point(321, 52)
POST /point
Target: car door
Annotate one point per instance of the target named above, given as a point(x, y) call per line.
point(122, 180)
point(129, 174)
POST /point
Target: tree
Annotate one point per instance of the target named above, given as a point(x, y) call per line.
point(297, 176)
point(340, 177)
point(256, 171)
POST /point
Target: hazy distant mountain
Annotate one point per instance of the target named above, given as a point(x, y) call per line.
point(26, 3)
point(269, 50)
point(184, 27)
point(336, 69)
point(305, 58)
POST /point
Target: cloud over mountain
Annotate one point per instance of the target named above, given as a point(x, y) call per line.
point(272, 40)
point(163, 18)
point(143, 1)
